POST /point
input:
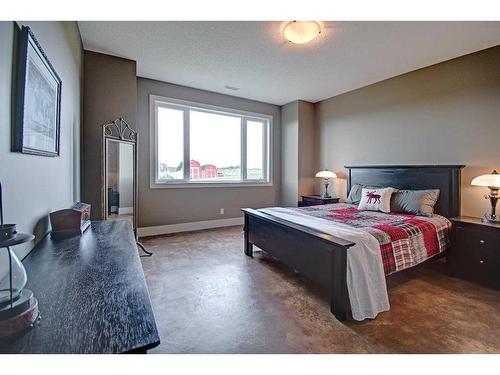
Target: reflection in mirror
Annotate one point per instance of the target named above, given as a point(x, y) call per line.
point(120, 180)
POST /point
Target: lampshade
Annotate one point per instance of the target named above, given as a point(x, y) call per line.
point(326, 174)
point(300, 32)
point(492, 179)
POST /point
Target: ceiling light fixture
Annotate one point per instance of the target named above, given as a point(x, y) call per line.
point(300, 32)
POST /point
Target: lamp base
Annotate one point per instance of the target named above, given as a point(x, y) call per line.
point(21, 315)
point(487, 219)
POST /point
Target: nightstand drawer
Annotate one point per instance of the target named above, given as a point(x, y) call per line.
point(474, 239)
point(315, 200)
point(311, 202)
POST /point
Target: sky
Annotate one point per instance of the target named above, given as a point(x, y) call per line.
point(215, 139)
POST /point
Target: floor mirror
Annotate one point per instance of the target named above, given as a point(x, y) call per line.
point(119, 166)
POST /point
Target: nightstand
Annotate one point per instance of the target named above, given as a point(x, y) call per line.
point(475, 252)
point(315, 200)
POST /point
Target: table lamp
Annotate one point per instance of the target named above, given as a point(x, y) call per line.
point(492, 181)
point(326, 175)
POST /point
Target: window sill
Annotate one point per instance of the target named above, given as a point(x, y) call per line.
point(184, 185)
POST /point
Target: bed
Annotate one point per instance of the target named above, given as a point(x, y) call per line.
point(326, 253)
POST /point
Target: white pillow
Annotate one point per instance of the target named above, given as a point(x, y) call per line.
point(376, 199)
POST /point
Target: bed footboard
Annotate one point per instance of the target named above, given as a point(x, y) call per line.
point(319, 256)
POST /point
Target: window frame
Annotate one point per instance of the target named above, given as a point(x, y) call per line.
point(156, 101)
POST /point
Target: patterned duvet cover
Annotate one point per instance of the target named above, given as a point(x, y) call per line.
point(405, 240)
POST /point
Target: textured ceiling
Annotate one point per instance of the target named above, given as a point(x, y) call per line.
point(254, 57)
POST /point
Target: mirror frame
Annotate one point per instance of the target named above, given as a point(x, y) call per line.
point(118, 131)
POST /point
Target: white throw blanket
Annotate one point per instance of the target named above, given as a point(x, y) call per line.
point(365, 273)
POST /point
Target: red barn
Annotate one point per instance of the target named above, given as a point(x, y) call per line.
point(194, 170)
point(208, 171)
point(204, 172)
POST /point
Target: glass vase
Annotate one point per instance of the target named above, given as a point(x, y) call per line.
point(9, 261)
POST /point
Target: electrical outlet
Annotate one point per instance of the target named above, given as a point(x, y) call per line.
point(221, 211)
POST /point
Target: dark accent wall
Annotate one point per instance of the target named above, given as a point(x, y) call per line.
point(110, 91)
point(448, 113)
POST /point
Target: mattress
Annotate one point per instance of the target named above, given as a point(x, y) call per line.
point(405, 240)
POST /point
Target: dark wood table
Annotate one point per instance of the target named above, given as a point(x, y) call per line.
point(92, 295)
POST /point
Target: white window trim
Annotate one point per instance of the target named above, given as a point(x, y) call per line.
point(171, 102)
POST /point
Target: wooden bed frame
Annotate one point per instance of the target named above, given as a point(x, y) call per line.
point(322, 257)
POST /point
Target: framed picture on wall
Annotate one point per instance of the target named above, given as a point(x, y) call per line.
point(37, 99)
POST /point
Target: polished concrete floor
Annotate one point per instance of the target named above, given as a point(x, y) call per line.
point(210, 298)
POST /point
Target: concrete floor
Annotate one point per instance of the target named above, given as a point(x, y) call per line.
point(208, 297)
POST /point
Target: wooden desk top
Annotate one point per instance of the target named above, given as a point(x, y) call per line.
point(92, 295)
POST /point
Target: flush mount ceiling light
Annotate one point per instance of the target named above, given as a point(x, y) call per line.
point(300, 32)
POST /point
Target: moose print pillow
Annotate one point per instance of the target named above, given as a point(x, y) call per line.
point(376, 199)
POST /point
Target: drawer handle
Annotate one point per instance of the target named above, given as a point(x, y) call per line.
point(481, 261)
point(481, 241)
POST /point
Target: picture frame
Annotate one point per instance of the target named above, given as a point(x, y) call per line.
point(37, 99)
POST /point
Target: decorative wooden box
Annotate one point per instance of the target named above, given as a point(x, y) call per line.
point(70, 221)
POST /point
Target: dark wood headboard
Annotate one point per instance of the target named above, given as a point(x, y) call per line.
point(446, 178)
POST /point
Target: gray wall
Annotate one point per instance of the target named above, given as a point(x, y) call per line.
point(447, 113)
point(297, 151)
point(110, 91)
point(289, 154)
point(180, 205)
point(306, 158)
point(35, 185)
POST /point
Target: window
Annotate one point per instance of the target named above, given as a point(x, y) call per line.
point(205, 145)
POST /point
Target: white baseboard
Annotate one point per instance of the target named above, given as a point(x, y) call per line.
point(188, 227)
point(125, 210)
